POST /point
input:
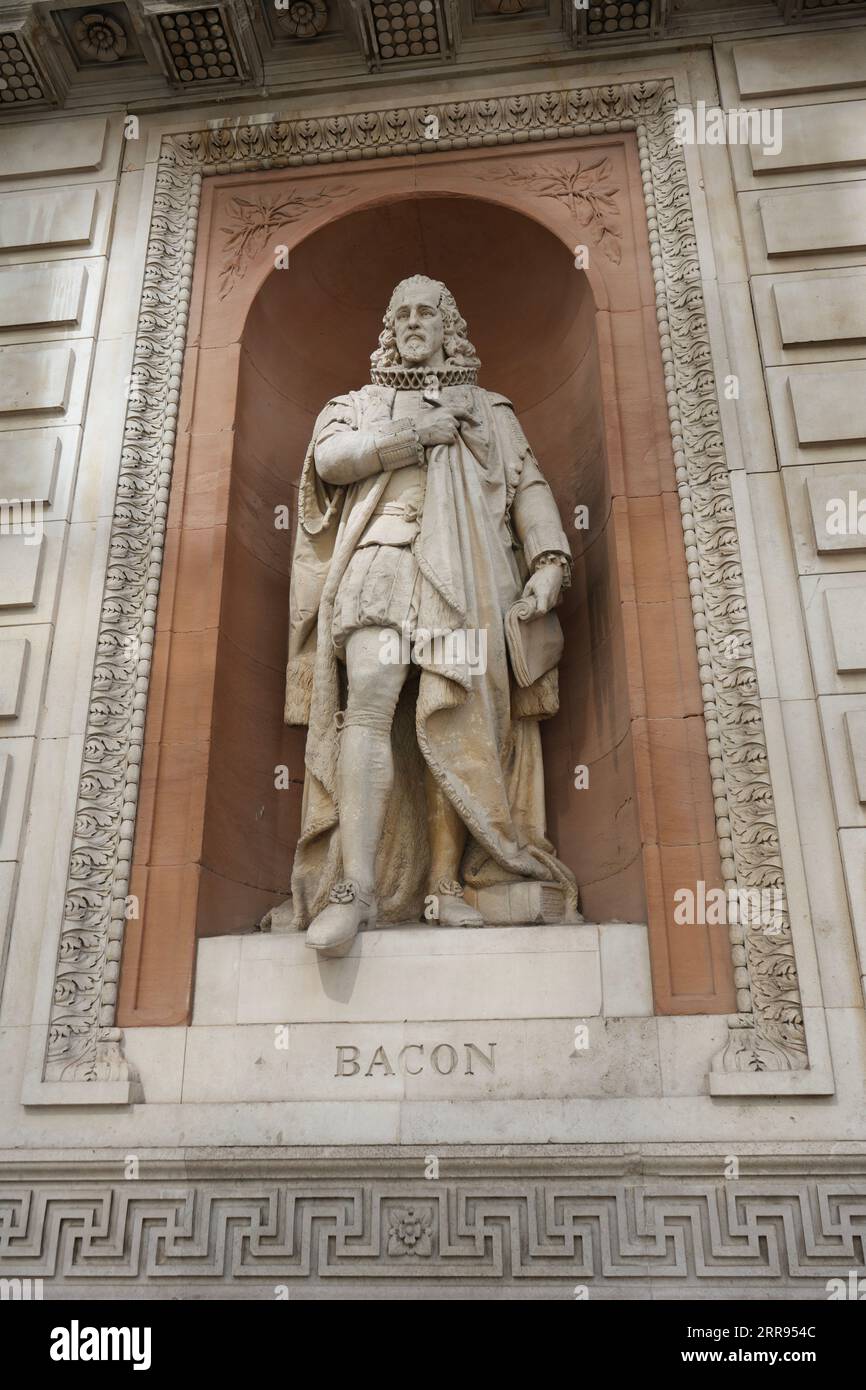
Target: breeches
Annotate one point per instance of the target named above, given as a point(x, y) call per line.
point(379, 589)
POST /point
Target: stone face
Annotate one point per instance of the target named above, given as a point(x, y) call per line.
point(475, 1060)
point(48, 217)
point(815, 589)
point(520, 1011)
point(41, 295)
point(16, 760)
point(29, 150)
point(819, 219)
point(855, 729)
point(13, 664)
point(821, 310)
point(842, 739)
point(5, 778)
point(625, 971)
point(837, 503)
point(35, 378)
point(29, 461)
point(20, 564)
point(846, 612)
point(853, 846)
point(828, 407)
point(29, 666)
point(802, 63)
point(816, 137)
point(422, 973)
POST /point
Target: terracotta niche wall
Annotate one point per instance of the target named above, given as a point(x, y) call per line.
point(308, 333)
point(215, 835)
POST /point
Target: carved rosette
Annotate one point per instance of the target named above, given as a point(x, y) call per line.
point(304, 19)
point(99, 37)
point(767, 1033)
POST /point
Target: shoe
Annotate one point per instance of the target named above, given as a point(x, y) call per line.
point(332, 932)
point(454, 911)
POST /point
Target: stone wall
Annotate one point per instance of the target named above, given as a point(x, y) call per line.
point(781, 251)
point(803, 221)
point(65, 247)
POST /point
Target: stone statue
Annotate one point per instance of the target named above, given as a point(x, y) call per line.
point(423, 519)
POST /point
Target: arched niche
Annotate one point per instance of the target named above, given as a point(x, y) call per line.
point(578, 354)
point(308, 335)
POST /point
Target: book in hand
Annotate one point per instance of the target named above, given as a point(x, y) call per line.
point(534, 641)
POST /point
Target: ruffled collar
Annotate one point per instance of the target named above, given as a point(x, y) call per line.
point(422, 378)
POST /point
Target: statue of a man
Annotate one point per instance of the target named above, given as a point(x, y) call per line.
point(423, 518)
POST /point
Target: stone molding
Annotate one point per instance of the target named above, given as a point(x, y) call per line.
point(566, 1225)
point(767, 1034)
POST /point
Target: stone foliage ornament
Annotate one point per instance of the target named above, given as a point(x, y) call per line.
point(767, 1033)
point(252, 220)
point(586, 190)
point(410, 1231)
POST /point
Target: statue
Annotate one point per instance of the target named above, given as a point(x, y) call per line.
point(425, 532)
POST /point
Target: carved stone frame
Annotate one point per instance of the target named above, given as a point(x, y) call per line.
point(84, 1045)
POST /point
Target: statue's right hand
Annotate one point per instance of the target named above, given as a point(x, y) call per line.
point(440, 426)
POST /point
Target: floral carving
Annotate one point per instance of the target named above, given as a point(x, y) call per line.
point(342, 892)
point(304, 19)
point(410, 1231)
point(586, 190)
point(100, 37)
point(251, 222)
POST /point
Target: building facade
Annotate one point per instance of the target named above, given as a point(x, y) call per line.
point(653, 217)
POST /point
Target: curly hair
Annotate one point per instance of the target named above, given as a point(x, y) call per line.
point(458, 350)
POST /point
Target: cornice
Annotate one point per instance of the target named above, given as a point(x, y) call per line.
point(267, 65)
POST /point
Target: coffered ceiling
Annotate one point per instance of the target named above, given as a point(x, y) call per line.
point(60, 53)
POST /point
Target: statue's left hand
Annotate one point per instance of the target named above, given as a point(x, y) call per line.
point(545, 586)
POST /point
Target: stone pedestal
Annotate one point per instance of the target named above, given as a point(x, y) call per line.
point(421, 1012)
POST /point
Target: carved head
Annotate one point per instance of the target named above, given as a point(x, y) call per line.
point(423, 327)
